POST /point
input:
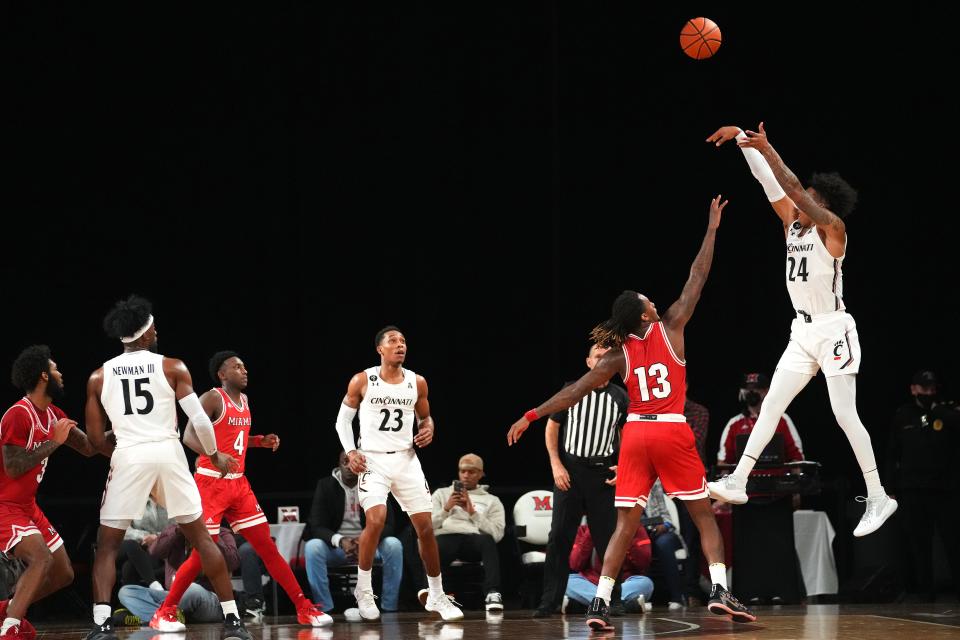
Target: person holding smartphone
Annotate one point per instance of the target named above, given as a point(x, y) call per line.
point(468, 522)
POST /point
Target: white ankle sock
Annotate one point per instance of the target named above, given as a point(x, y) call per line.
point(718, 574)
point(100, 613)
point(230, 606)
point(364, 579)
point(605, 588)
point(435, 585)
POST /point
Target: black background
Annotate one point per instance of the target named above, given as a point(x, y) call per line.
point(486, 176)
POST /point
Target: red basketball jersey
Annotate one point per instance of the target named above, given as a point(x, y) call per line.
point(656, 378)
point(23, 425)
point(233, 431)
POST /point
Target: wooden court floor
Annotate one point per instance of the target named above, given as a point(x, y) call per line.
point(814, 622)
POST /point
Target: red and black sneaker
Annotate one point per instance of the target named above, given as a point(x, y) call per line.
point(723, 603)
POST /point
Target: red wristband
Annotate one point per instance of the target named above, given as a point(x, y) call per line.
point(531, 415)
point(256, 441)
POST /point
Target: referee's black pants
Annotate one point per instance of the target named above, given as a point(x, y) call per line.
point(588, 494)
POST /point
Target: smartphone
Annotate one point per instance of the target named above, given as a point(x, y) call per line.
point(458, 486)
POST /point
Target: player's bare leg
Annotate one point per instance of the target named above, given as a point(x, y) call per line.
point(33, 551)
point(437, 600)
point(59, 576)
point(628, 521)
point(721, 601)
point(109, 540)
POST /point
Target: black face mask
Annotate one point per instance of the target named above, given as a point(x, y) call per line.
point(749, 397)
point(926, 401)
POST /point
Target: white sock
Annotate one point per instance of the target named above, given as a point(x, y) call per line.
point(156, 586)
point(9, 622)
point(100, 613)
point(718, 574)
point(230, 606)
point(364, 579)
point(435, 584)
point(605, 588)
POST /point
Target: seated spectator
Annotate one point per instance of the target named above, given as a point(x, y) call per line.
point(333, 529)
point(636, 588)
point(666, 542)
point(199, 603)
point(468, 522)
point(137, 566)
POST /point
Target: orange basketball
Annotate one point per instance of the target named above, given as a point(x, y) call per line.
point(700, 38)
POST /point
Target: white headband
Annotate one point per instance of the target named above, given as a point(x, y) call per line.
point(139, 333)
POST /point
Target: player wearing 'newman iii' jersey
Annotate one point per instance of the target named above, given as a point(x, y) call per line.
point(138, 392)
point(230, 496)
point(30, 431)
point(390, 399)
point(649, 352)
point(823, 335)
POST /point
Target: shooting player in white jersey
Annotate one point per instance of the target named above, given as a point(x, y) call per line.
point(138, 392)
point(823, 336)
point(390, 399)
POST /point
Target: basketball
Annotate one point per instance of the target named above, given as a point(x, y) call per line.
point(700, 38)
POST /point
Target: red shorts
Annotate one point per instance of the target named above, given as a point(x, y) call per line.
point(230, 498)
point(18, 521)
point(658, 449)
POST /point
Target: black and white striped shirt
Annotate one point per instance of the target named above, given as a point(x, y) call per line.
point(589, 428)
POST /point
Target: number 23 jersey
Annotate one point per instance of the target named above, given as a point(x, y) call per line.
point(386, 412)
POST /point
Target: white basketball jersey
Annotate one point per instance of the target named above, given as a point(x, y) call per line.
point(814, 277)
point(138, 399)
point(386, 412)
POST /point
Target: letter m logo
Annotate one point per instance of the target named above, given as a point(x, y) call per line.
point(542, 504)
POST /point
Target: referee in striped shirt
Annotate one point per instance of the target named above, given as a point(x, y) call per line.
point(582, 443)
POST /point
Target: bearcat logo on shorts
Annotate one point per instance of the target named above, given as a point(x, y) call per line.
point(542, 504)
point(836, 349)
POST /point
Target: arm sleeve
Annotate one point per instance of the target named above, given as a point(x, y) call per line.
point(201, 423)
point(762, 172)
point(345, 428)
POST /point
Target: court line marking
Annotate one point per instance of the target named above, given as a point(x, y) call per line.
point(939, 624)
point(690, 626)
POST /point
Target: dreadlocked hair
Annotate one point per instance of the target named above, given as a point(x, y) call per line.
point(624, 318)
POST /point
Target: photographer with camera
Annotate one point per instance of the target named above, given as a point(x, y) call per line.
point(468, 522)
